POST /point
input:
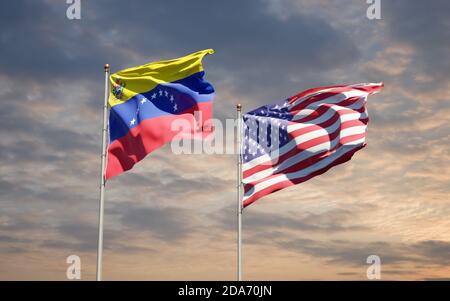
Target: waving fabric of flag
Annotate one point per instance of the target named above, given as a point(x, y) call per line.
point(146, 100)
point(296, 139)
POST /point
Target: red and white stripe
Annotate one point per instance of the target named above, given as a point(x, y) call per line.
point(328, 127)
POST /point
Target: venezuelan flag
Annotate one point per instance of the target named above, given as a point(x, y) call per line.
point(145, 101)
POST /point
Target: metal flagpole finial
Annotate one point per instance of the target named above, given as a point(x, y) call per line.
point(238, 106)
point(106, 67)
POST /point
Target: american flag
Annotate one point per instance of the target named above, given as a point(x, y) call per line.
point(294, 140)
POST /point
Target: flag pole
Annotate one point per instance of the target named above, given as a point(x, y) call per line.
point(102, 177)
point(239, 192)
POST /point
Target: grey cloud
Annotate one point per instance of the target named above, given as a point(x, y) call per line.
point(434, 251)
point(169, 224)
point(80, 246)
point(171, 184)
point(12, 189)
point(424, 25)
point(243, 30)
point(354, 253)
point(16, 120)
point(349, 274)
point(26, 151)
point(38, 41)
point(80, 231)
point(270, 225)
point(34, 192)
point(331, 221)
point(347, 252)
point(253, 46)
point(80, 236)
point(67, 245)
point(11, 239)
point(13, 250)
point(16, 223)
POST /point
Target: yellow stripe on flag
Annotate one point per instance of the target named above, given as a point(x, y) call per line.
point(127, 83)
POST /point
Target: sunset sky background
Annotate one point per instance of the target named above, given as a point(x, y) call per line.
point(173, 216)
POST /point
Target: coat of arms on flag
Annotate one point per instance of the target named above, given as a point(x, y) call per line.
point(144, 102)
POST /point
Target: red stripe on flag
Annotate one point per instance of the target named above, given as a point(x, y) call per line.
point(344, 158)
point(298, 166)
point(300, 147)
point(320, 112)
point(149, 135)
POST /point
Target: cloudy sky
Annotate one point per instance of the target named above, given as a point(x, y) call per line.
point(172, 217)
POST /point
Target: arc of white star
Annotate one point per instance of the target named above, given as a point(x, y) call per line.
point(175, 107)
point(153, 95)
point(133, 121)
